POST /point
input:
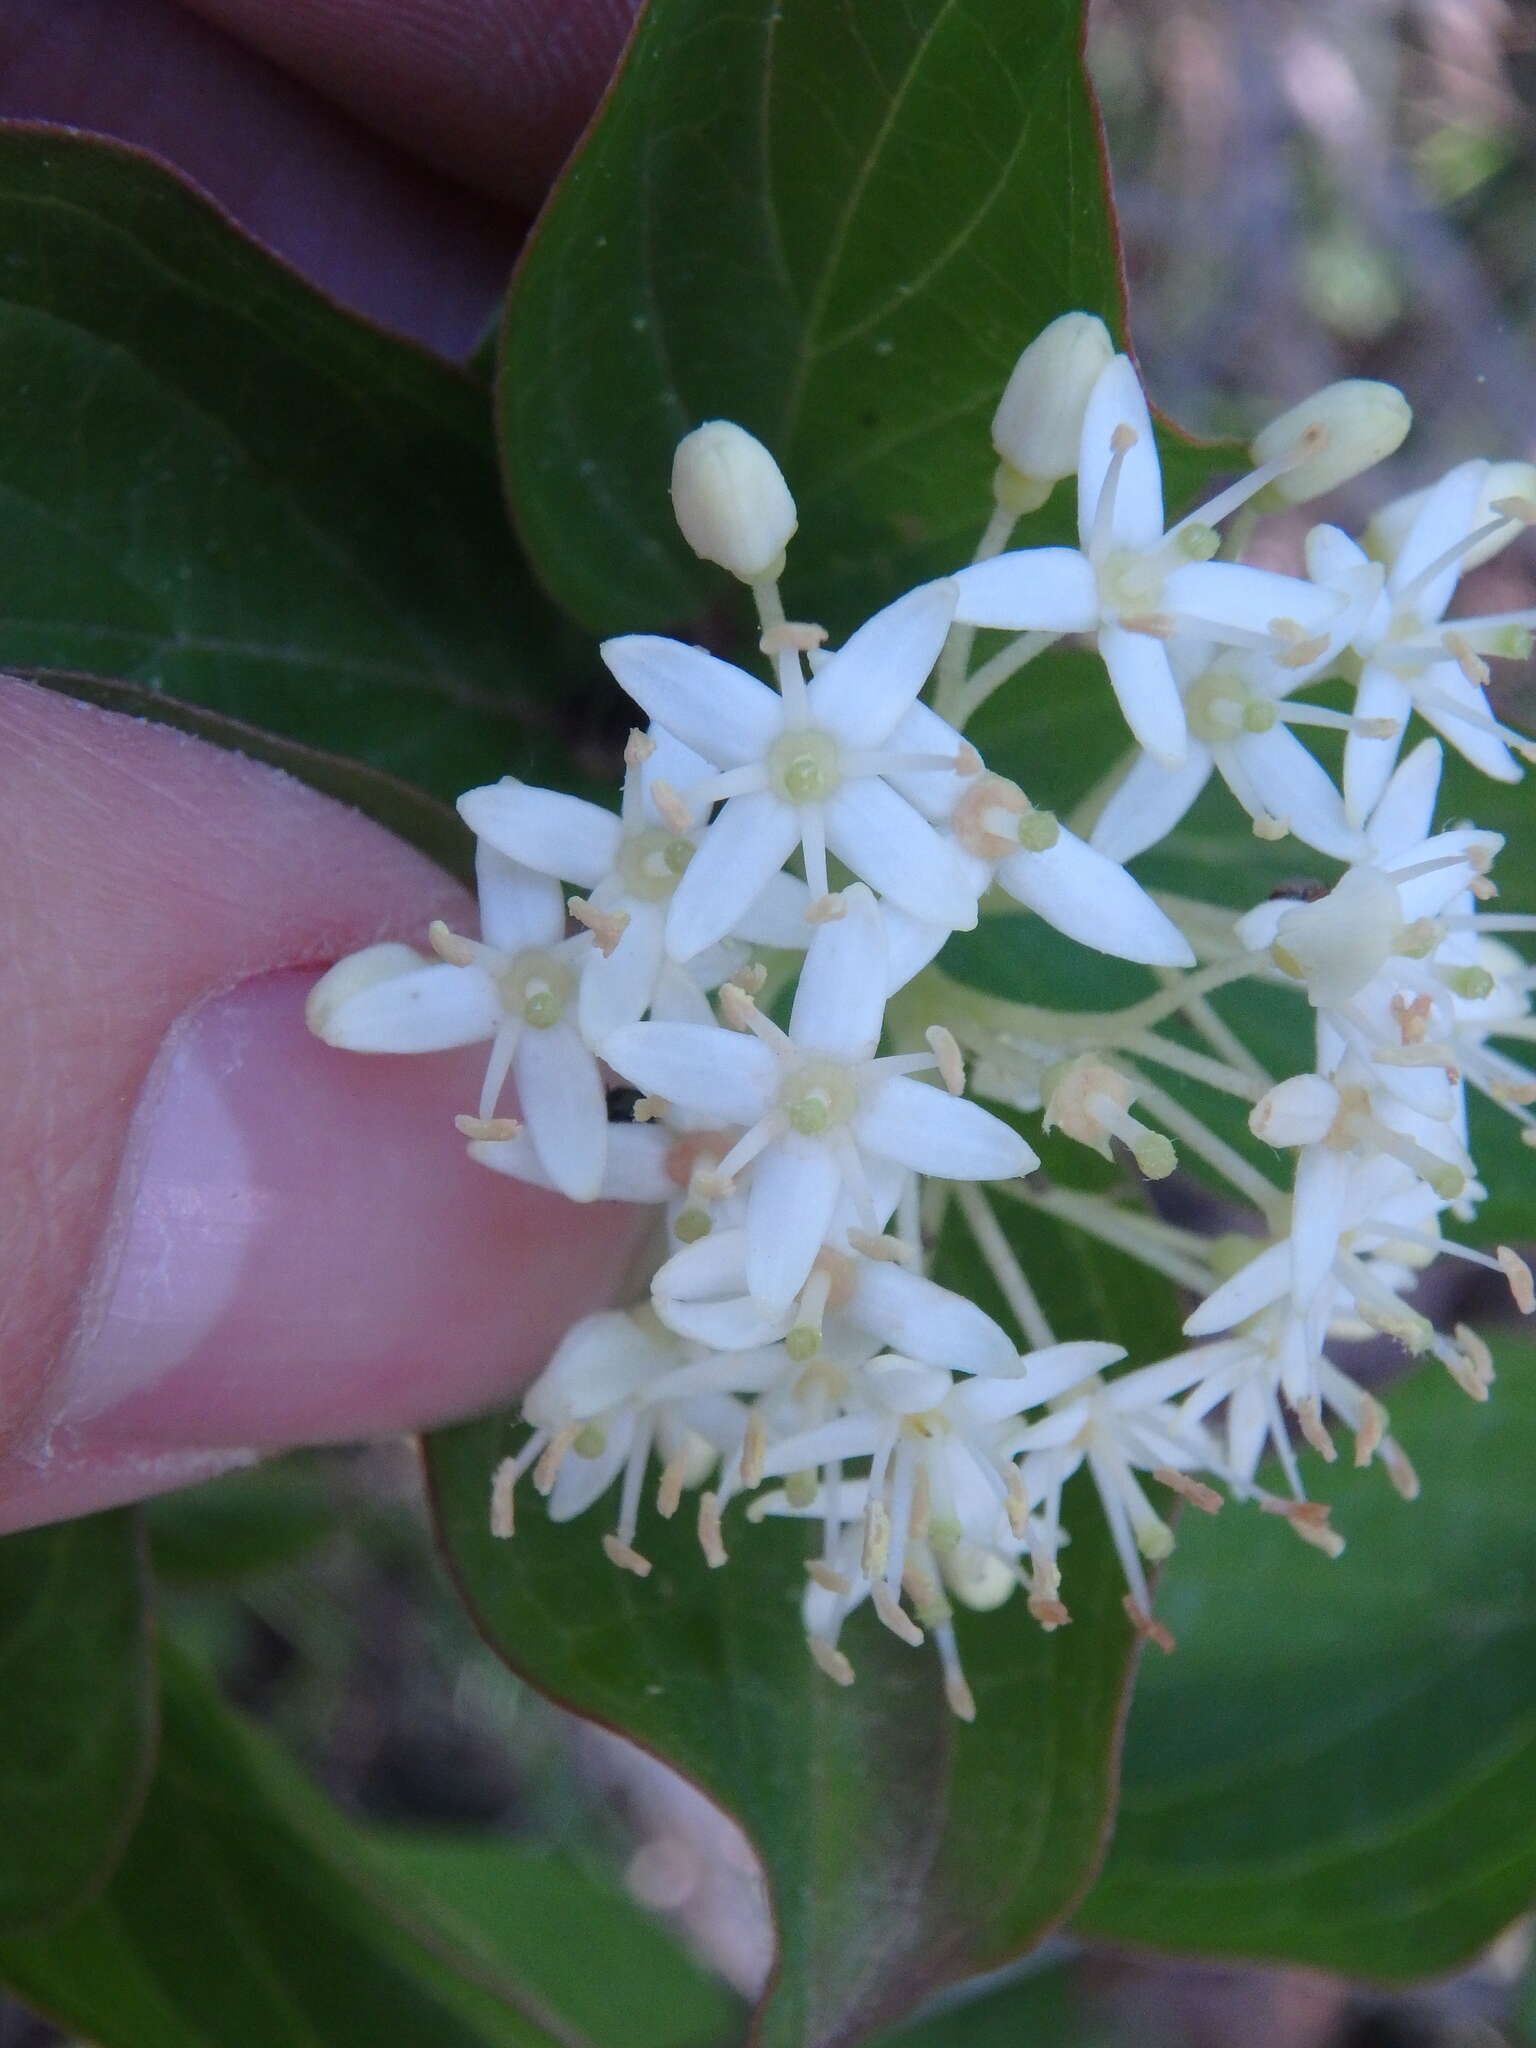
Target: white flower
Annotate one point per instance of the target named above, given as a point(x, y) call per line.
point(1131, 584)
point(807, 767)
point(1411, 657)
point(815, 1103)
point(1238, 718)
point(606, 1402)
point(1117, 1429)
point(630, 865)
point(516, 986)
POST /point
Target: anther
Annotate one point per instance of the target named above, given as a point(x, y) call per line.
point(830, 1659)
point(1150, 1630)
point(751, 979)
point(891, 1250)
point(1309, 1519)
point(1372, 1431)
point(1309, 1421)
point(1471, 663)
point(669, 1489)
point(877, 1539)
point(754, 1449)
point(488, 1130)
point(648, 1109)
point(1518, 1274)
point(737, 1009)
point(670, 808)
point(625, 1557)
point(1205, 1498)
point(449, 946)
point(945, 1048)
point(606, 926)
point(638, 748)
point(792, 636)
point(826, 909)
point(830, 1581)
point(711, 1542)
point(894, 1615)
point(503, 1510)
point(554, 1455)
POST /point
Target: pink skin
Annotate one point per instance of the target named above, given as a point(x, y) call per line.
point(218, 1237)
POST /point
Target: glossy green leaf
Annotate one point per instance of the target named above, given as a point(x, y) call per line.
point(247, 1910)
point(77, 1721)
point(244, 1523)
point(837, 225)
point(1038, 2009)
point(216, 483)
point(582, 1945)
point(1338, 1765)
point(902, 1847)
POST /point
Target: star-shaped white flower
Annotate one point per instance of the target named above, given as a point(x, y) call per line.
point(816, 1102)
point(1134, 586)
point(1412, 657)
point(808, 767)
point(630, 866)
point(515, 986)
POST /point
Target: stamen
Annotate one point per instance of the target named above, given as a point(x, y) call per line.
point(1146, 1627)
point(711, 1542)
point(792, 636)
point(889, 1249)
point(1309, 1519)
point(946, 1050)
point(1372, 1431)
point(1451, 555)
point(606, 926)
point(1121, 442)
point(451, 946)
point(830, 1659)
point(670, 808)
point(669, 1490)
point(648, 1109)
point(827, 909)
point(554, 1456)
point(1205, 1498)
point(626, 1558)
point(1309, 1420)
point(503, 1485)
point(894, 1615)
point(1471, 663)
point(638, 748)
point(1518, 1274)
point(830, 1580)
point(754, 1449)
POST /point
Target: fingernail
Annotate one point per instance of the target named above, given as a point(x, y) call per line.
point(300, 1250)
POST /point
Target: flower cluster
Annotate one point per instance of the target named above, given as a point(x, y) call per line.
point(692, 1000)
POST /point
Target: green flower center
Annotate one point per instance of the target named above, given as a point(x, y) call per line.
point(1129, 583)
point(536, 987)
point(803, 766)
point(818, 1097)
point(651, 864)
point(1221, 707)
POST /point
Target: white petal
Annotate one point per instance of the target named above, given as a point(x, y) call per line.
point(1317, 1218)
point(793, 1191)
point(1151, 800)
point(1044, 590)
point(1368, 763)
point(934, 791)
point(736, 859)
point(617, 989)
point(582, 1481)
point(547, 831)
point(1294, 785)
point(1263, 1280)
point(933, 1132)
point(563, 1104)
point(427, 1009)
point(895, 849)
point(1115, 401)
point(1149, 697)
point(910, 944)
point(1403, 817)
point(1332, 557)
point(721, 712)
point(863, 690)
point(1233, 594)
point(927, 1321)
point(840, 1000)
point(518, 908)
point(702, 1067)
point(735, 1323)
point(1447, 515)
point(669, 761)
point(635, 1169)
point(1485, 750)
point(1057, 1368)
point(777, 916)
point(1091, 898)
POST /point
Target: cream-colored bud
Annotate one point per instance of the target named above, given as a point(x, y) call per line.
point(731, 501)
point(350, 977)
point(1332, 436)
point(1300, 1111)
point(1039, 420)
point(1504, 480)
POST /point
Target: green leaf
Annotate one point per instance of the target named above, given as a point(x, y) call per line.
point(216, 483)
point(77, 1721)
point(583, 1945)
point(1338, 1765)
point(837, 225)
point(1037, 2010)
point(247, 1910)
point(244, 1523)
point(902, 1847)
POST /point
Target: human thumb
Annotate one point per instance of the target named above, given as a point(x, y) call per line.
point(217, 1236)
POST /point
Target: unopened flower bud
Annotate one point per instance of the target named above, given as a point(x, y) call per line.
point(1503, 482)
point(731, 501)
point(1300, 1111)
point(1332, 436)
point(1039, 420)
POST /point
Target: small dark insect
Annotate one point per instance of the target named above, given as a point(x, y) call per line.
point(1299, 892)
point(621, 1104)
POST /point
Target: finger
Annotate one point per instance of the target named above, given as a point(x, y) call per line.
point(216, 1235)
point(492, 91)
point(386, 235)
